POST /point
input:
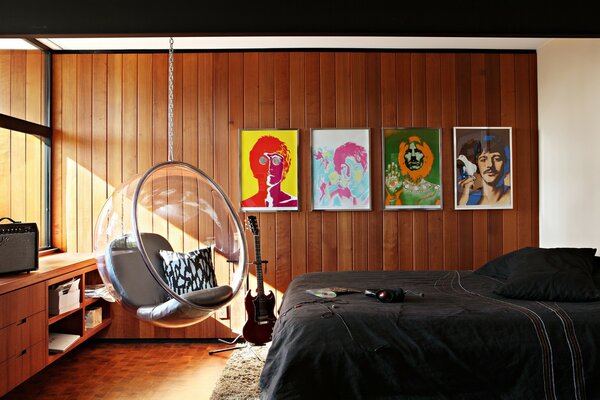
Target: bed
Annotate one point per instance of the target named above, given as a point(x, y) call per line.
point(460, 341)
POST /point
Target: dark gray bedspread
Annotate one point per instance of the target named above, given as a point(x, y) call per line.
point(460, 341)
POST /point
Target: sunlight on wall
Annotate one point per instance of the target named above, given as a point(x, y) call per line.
point(21, 179)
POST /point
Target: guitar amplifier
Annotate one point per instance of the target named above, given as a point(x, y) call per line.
point(18, 247)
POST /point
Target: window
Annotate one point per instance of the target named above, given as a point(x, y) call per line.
point(24, 141)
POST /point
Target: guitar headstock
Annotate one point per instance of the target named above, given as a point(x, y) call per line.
point(253, 224)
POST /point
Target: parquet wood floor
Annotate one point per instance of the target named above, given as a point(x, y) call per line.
point(128, 370)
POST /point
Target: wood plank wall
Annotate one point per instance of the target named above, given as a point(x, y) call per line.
point(110, 118)
point(21, 155)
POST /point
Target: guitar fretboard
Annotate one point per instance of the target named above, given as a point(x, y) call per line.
point(259, 274)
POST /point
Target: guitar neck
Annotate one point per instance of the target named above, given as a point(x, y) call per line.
point(259, 274)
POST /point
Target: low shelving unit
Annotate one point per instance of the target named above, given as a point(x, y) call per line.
point(25, 322)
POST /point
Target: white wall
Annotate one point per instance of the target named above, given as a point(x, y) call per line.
point(569, 142)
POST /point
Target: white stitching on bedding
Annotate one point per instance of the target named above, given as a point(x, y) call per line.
point(549, 383)
point(572, 342)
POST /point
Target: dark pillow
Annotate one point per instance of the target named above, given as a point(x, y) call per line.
point(596, 271)
point(551, 275)
point(187, 272)
point(500, 267)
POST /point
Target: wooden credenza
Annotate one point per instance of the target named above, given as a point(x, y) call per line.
point(25, 322)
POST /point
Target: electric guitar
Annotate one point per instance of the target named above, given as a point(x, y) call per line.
point(260, 308)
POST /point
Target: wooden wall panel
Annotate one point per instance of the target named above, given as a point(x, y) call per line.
point(508, 118)
point(221, 142)
point(448, 120)
point(144, 112)
point(463, 118)
point(358, 118)
point(266, 114)
point(419, 118)
point(83, 152)
point(283, 252)
point(373, 104)
point(206, 143)
point(314, 219)
point(392, 239)
point(329, 255)
point(479, 118)
point(99, 133)
point(251, 121)
point(522, 143)
point(435, 221)
point(404, 93)
point(119, 128)
point(298, 220)
point(236, 117)
point(343, 96)
point(69, 151)
point(493, 110)
point(533, 149)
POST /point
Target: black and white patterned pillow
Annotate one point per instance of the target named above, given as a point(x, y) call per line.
point(186, 272)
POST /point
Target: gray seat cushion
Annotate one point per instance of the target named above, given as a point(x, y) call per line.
point(140, 291)
point(129, 274)
point(173, 309)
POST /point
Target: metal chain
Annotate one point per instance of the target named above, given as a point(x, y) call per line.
point(170, 104)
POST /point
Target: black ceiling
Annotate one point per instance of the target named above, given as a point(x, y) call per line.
point(508, 18)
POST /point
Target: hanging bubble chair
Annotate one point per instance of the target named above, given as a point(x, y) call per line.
point(170, 246)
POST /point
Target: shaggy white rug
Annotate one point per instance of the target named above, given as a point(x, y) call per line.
point(239, 379)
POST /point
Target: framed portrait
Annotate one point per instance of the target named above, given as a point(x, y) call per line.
point(340, 169)
point(269, 169)
point(483, 168)
point(412, 168)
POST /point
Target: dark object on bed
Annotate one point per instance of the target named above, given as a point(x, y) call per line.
point(501, 267)
point(460, 341)
point(596, 271)
point(552, 275)
point(390, 295)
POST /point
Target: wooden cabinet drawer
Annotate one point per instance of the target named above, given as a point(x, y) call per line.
point(3, 377)
point(17, 369)
point(21, 303)
point(20, 335)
